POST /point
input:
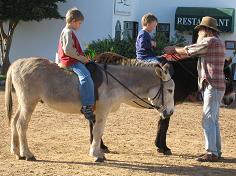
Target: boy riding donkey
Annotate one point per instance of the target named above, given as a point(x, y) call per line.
point(72, 56)
point(145, 53)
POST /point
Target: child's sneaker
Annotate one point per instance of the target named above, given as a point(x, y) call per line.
point(88, 112)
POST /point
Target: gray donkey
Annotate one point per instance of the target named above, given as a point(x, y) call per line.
point(36, 79)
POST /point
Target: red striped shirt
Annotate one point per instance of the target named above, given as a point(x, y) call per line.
point(211, 64)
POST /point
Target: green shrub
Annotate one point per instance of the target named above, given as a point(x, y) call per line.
point(161, 42)
point(123, 47)
point(2, 77)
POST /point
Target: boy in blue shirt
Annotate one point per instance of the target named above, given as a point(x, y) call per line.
point(144, 53)
point(144, 43)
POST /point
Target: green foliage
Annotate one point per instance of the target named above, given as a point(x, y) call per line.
point(2, 77)
point(90, 53)
point(123, 47)
point(127, 47)
point(28, 10)
point(161, 42)
point(14, 11)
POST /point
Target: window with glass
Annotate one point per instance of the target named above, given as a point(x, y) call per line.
point(164, 28)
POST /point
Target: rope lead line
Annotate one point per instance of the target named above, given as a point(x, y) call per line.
point(107, 72)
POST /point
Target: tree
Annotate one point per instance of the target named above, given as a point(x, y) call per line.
point(14, 11)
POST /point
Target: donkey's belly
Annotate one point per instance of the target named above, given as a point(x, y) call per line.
point(66, 107)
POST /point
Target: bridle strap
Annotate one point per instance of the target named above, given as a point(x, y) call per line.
point(159, 92)
point(142, 105)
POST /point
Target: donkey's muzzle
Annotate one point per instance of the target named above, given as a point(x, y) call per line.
point(165, 114)
point(227, 101)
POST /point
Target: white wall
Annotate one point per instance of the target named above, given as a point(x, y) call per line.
point(41, 38)
point(133, 8)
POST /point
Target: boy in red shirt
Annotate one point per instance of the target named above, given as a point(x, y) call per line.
point(72, 56)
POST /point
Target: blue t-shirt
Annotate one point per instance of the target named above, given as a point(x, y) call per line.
point(143, 45)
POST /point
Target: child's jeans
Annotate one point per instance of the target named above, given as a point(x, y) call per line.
point(210, 121)
point(159, 60)
point(154, 59)
point(86, 86)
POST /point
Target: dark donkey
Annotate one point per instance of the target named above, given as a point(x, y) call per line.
point(185, 78)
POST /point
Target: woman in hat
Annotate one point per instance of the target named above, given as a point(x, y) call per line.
point(211, 51)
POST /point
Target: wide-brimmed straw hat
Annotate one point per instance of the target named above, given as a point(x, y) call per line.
point(208, 22)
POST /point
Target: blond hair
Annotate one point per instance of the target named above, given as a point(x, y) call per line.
point(74, 14)
point(148, 18)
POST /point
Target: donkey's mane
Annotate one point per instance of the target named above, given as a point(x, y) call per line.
point(116, 59)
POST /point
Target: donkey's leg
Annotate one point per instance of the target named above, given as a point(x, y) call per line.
point(160, 141)
point(103, 146)
point(22, 126)
point(91, 131)
point(95, 149)
point(14, 135)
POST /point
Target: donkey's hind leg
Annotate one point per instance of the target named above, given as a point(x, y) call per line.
point(22, 126)
point(14, 135)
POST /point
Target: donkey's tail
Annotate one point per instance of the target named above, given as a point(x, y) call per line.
point(8, 95)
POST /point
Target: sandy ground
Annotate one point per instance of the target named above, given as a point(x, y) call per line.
point(60, 142)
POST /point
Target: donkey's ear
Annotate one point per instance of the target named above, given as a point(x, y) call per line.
point(166, 68)
point(163, 74)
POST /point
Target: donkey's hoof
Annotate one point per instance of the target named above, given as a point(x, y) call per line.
point(164, 151)
point(31, 158)
point(106, 150)
point(21, 157)
point(167, 152)
point(100, 160)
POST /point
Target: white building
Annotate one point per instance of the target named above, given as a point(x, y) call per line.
point(101, 20)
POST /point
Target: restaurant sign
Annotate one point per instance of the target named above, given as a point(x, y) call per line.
point(186, 18)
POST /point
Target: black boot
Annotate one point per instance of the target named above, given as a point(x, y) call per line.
point(88, 112)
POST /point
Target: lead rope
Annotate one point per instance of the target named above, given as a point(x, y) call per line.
point(157, 95)
point(107, 72)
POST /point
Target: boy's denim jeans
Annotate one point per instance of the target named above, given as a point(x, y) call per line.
point(86, 86)
point(210, 121)
point(154, 59)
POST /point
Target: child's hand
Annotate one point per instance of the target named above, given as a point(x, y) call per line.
point(83, 59)
point(153, 44)
point(169, 50)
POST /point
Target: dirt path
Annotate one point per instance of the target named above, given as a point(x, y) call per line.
point(60, 142)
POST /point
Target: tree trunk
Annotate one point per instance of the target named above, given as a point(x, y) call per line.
point(5, 42)
point(5, 57)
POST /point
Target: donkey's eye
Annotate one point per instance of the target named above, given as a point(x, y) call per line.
point(170, 90)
